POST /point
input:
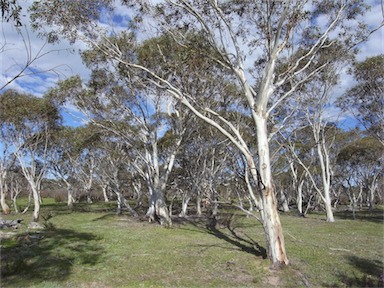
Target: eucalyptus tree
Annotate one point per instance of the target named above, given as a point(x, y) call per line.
point(27, 123)
point(113, 163)
point(15, 185)
point(237, 32)
point(66, 150)
point(365, 100)
point(360, 167)
point(138, 121)
point(204, 164)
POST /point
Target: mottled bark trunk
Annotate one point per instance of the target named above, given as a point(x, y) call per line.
point(271, 219)
point(36, 202)
point(158, 209)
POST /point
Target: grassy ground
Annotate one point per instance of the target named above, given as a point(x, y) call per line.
point(92, 247)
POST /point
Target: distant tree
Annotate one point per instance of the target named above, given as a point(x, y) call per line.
point(112, 165)
point(27, 123)
point(360, 167)
point(365, 100)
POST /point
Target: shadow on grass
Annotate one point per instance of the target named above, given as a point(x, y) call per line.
point(50, 255)
point(371, 273)
point(375, 215)
point(228, 234)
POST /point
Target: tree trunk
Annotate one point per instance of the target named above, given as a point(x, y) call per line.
point(36, 202)
point(71, 199)
point(4, 205)
point(88, 195)
point(122, 203)
point(158, 209)
point(105, 194)
point(328, 208)
point(284, 201)
point(184, 206)
point(271, 219)
point(300, 197)
point(198, 204)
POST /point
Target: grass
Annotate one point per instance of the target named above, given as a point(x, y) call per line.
point(92, 247)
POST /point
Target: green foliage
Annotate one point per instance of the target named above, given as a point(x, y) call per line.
point(367, 149)
point(66, 17)
point(365, 100)
point(20, 109)
point(10, 11)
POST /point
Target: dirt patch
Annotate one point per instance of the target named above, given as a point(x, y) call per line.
point(272, 278)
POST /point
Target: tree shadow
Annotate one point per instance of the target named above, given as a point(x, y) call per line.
point(371, 273)
point(229, 234)
point(375, 215)
point(32, 258)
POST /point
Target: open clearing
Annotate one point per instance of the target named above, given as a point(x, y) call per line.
point(90, 246)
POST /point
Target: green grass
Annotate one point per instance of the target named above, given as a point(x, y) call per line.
point(91, 247)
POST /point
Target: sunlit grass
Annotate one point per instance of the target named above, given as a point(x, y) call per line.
point(90, 246)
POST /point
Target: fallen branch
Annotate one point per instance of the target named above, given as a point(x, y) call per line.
point(340, 249)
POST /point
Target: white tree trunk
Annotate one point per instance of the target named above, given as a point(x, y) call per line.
point(328, 207)
point(326, 176)
point(122, 203)
point(4, 205)
point(158, 209)
point(70, 198)
point(184, 206)
point(105, 194)
point(284, 201)
point(36, 201)
point(198, 204)
point(300, 197)
point(271, 219)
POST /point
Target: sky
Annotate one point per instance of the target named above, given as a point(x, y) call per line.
point(51, 63)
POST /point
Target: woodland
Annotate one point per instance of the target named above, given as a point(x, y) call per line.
point(202, 112)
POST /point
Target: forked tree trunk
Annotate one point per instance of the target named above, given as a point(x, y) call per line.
point(158, 209)
point(122, 203)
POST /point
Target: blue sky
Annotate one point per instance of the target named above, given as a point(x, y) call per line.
point(57, 62)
